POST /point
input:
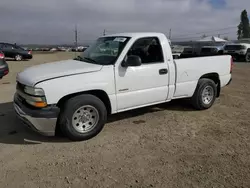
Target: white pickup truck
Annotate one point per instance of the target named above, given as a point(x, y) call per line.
point(117, 73)
point(239, 51)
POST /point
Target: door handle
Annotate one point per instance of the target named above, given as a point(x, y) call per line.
point(163, 71)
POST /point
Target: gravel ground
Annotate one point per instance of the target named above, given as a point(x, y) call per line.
point(169, 145)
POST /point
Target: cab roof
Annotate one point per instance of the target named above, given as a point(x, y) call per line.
point(137, 34)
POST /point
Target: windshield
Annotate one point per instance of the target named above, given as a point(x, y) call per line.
point(104, 51)
point(20, 48)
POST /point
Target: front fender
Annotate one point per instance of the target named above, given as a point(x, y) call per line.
point(57, 88)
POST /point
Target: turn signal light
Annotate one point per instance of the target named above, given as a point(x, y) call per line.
point(40, 104)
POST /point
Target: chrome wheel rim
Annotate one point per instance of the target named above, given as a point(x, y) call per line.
point(207, 95)
point(18, 58)
point(85, 119)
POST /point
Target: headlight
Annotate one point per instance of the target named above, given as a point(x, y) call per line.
point(34, 91)
point(34, 96)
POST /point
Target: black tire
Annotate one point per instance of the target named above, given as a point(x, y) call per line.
point(197, 100)
point(70, 107)
point(247, 58)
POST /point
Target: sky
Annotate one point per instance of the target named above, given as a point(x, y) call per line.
point(53, 21)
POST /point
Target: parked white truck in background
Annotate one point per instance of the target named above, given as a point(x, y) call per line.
point(239, 51)
point(133, 71)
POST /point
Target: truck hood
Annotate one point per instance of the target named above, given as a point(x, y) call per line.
point(38, 73)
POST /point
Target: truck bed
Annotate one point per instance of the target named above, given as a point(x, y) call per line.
point(189, 70)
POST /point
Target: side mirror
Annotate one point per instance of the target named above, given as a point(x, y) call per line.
point(131, 61)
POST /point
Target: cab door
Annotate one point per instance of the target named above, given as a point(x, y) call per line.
point(145, 84)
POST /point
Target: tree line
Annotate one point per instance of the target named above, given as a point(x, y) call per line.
point(244, 27)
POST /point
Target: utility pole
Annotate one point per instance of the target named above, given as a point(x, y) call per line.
point(104, 32)
point(170, 33)
point(76, 39)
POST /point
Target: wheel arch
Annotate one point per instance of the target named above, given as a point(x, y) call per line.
point(216, 78)
point(102, 95)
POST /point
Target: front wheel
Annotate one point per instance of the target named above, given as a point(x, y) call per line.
point(82, 117)
point(248, 57)
point(205, 94)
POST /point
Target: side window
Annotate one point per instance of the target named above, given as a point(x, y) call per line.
point(148, 49)
point(3, 46)
point(8, 47)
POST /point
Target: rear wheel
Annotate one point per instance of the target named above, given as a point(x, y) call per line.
point(83, 117)
point(18, 57)
point(205, 94)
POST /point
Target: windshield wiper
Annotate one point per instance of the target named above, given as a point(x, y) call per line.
point(89, 59)
point(78, 58)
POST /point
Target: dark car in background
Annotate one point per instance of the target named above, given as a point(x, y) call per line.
point(211, 50)
point(4, 68)
point(188, 52)
point(14, 51)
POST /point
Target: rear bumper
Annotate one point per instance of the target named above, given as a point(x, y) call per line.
point(42, 121)
point(236, 55)
point(29, 56)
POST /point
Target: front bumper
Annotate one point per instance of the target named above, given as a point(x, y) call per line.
point(42, 121)
point(236, 55)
